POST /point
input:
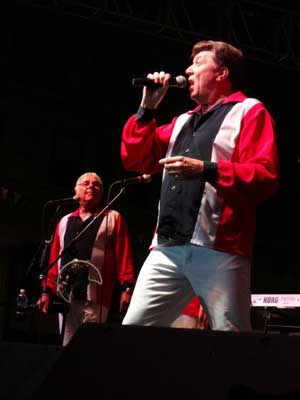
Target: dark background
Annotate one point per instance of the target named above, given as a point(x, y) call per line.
point(65, 92)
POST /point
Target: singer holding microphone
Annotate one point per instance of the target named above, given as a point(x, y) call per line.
point(106, 244)
point(218, 162)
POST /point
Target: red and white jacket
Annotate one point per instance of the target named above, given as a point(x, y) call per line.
point(111, 255)
point(245, 151)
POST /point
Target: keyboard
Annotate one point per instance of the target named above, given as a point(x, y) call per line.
point(275, 300)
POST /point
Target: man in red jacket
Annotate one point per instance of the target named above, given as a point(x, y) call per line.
point(105, 244)
point(219, 161)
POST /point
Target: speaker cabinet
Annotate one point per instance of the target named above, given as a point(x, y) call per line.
point(23, 367)
point(134, 362)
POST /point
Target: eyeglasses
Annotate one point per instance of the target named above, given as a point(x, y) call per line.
point(96, 185)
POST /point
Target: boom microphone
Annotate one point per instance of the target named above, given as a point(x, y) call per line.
point(145, 178)
point(178, 82)
point(64, 200)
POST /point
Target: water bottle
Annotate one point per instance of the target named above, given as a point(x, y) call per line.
point(22, 302)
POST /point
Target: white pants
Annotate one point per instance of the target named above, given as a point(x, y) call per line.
point(171, 276)
point(79, 313)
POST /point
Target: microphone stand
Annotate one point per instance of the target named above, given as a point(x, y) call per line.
point(44, 247)
point(40, 257)
point(42, 252)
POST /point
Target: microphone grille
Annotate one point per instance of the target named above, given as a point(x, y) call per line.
point(147, 178)
point(181, 81)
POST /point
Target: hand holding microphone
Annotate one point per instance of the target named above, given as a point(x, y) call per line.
point(156, 86)
point(179, 82)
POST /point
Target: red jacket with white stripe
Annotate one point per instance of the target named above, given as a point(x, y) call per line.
point(245, 152)
point(111, 255)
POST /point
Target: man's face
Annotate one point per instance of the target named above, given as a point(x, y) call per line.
point(89, 190)
point(202, 76)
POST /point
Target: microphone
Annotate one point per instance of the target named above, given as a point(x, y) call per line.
point(177, 82)
point(145, 178)
point(64, 200)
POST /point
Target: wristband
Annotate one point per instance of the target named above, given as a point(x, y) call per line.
point(128, 288)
